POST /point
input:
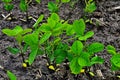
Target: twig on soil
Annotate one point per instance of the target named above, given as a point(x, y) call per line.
point(24, 20)
point(2, 75)
point(114, 8)
point(39, 74)
point(99, 22)
point(118, 7)
point(1, 67)
point(32, 18)
point(5, 17)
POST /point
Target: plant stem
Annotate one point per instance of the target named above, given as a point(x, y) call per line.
point(59, 5)
point(22, 54)
point(27, 18)
point(86, 2)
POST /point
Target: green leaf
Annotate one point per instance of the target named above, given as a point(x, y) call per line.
point(69, 57)
point(65, 1)
point(51, 57)
point(114, 68)
point(57, 30)
point(90, 7)
point(32, 55)
point(40, 51)
point(95, 47)
point(116, 60)
point(84, 59)
point(13, 32)
point(38, 21)
point(79, 26)
point(23, 5)
point(7, 1)
point(26, 31)
point(57, 40)
point(57, 1)
point(31, 39)
point(77, 47)
point(52, 7)
point(11, 75)
point(86, 36)
point(38, 1)
point(55, 17)
point(110, 47)
point(89, 34)
point(13, 50)
point(8, 7)
point(96, 59)
point(44, 28)
point(60, 57)
point(69, 30)
point(45, 37)
point(111, 50)
point(74, 66)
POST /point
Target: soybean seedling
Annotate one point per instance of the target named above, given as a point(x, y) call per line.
point(18, 34)
point(90, 6)
point(115, 59)
point(82, 54)
point(24, 4)
point(8, 5)
point(54, 7)
point(58, 48)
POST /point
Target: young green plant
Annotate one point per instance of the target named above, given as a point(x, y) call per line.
point(54, 7)
point(8, 5)
point(18, 32)
point(115, 59)
point(90, 6)
point(24, 4)
point(82, 54)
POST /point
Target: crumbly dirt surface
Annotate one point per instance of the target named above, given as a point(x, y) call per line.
point(108, 32)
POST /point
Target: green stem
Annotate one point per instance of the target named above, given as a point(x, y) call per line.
point(21, 52)
point(59, 5)
point(86, 2)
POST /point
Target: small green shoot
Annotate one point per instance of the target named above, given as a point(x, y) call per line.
point(115, 59)
point(90, 6)
point(38, 21)
point(23, 5)
point(54, 7)
point(18, 32)
point(38, 1)
point(8, 5)
point(11, 75)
